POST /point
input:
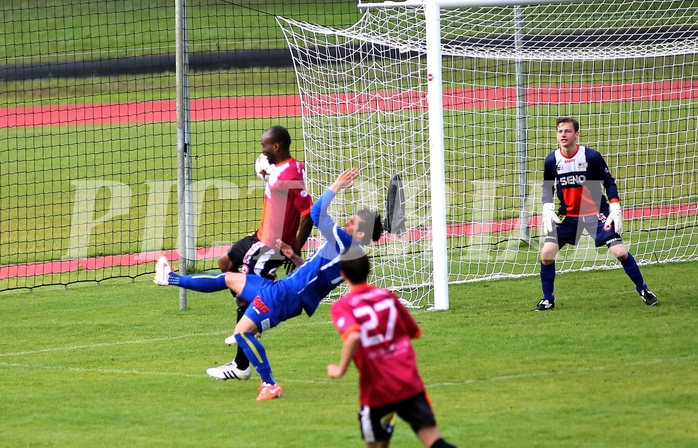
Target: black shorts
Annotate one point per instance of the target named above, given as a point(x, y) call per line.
point(251, 256)
point(378, 423)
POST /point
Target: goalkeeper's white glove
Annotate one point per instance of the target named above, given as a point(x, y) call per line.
point(549, 218)
point(615, 218)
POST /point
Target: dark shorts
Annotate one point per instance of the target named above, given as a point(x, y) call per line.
point(570, 230)
point(377, 423)
point(269, 303)
point(251, 256)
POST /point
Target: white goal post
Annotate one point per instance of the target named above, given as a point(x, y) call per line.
point(459, 99)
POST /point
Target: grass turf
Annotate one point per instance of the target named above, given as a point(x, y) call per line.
point(120, 365)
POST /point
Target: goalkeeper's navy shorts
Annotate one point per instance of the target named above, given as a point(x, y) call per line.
point(570, 230)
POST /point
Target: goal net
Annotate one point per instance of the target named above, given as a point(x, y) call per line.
point(626, 70)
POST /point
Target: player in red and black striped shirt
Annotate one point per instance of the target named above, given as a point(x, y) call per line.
point(285, 217)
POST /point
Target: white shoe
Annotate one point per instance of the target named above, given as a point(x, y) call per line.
point(162, 270)
point(230, 340)
point(229, 371)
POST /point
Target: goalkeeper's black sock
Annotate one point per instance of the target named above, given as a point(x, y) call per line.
point(240, 358)
point(547, 280)
point(633, 270)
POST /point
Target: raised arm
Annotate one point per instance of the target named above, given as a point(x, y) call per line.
point(345, 180)
point(323, 221)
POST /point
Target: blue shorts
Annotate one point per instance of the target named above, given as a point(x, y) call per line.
point(270, 303)
point(569, 231)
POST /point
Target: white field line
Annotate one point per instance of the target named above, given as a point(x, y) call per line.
point(142, 372)
point(111, 344)
point(98, 370)
point(565, 372)
point(143, 341)
point(318, 381)
point(328, 381)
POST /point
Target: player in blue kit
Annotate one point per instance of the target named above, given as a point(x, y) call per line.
point(578, 174)
point(272, 302)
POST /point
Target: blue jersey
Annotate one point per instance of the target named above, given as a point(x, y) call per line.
point(312, 281)
point(578, 180)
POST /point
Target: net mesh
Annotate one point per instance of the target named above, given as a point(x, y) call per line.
point(88, 166)
point(625, 70)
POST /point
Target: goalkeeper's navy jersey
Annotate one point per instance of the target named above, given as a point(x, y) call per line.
point(312, 281)
point(578, 180)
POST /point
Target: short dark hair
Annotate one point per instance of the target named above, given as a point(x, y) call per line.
point(280, 135)
point(355, 265)
point(371, 224)
point(574, 122)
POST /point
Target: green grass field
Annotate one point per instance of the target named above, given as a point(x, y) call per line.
point(119, 365)
point(113, 28)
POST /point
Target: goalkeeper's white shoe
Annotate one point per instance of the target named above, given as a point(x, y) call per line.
point(162, 271)
point(229, 371)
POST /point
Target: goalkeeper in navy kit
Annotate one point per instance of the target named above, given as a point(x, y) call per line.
point(578, 174)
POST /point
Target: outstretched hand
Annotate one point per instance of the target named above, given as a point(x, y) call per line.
point(293, 259)
point(285, 249)
point(345, 180)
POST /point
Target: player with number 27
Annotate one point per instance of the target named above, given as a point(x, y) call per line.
point(376, 331)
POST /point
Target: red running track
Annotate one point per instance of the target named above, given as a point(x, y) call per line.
point(461, 229)
point(289, 106)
